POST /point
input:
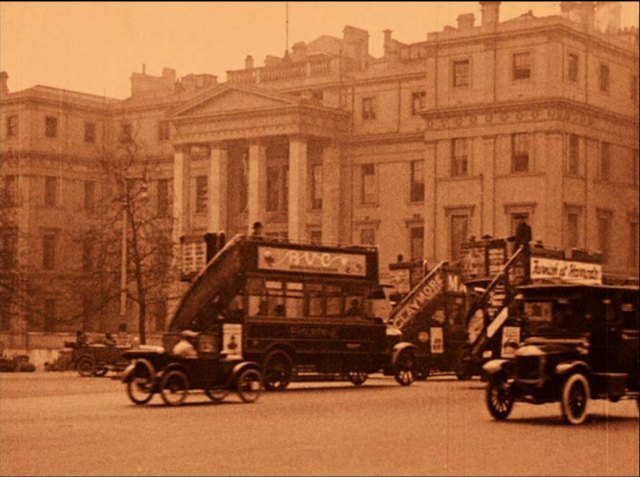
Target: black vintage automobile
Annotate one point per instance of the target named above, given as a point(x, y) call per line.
point(96, 359)
point(157, 370)
point(581, 342)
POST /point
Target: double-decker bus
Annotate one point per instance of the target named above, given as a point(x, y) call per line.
point(302, 311)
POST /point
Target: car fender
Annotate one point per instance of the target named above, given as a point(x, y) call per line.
point(241, 366)
point(495, 366)
point(127, 374)
point(570, 367)
point(399, 348)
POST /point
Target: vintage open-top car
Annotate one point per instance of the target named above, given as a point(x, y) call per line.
point(96, 359)
point(214, 370)
point(581, 343)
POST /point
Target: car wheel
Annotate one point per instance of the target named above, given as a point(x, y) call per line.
point(85, 366)
point(140, 385)
point(499, 399)
point(574, 399)
point(249, 385)
point(405, 368)
point(217, 395)
point(174, 387)
point(277, 371)
point(357, 378)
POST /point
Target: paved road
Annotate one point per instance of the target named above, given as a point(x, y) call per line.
point(61, 424)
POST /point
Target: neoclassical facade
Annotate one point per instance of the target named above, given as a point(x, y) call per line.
point(466, 133)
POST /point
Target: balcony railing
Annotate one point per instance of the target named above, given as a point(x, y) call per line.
point(291, 71)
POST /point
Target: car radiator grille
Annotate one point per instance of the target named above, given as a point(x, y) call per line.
point(527, 367)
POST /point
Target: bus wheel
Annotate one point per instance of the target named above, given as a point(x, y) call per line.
point(357, 377)
point(277, 371)
point(405, 368)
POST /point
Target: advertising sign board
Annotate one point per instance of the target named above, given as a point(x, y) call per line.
point(311, 261)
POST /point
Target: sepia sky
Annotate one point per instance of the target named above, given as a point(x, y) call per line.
point(94, 47)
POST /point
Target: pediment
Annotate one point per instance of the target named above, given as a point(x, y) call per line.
point(233, 98)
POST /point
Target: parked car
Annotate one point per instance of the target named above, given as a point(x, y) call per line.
point(581, 343)
point(18, 363)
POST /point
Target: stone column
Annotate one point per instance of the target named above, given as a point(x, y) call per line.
point(257, 196)
point(181, 192)
point(331, 197)
point(488, 169)
point(298, 187)
point(218, 189)
point(554, 205)
point(430, 203)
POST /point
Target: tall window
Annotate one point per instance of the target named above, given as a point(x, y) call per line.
point(89, 196)
point(521, 65)
point(50, 191)
point(202, 185)
point(572, 229)
point(461, 73)
point(164, 197)
point(633, 85)
point(605, 160)
point(369, 108)
point(48, 251)
point(161, 316)
point(520, 155)
point(416, 236)
point(49, 314)
point(516, 219)
point(126, 133)
point(368, 185)
point(87, 255)
point(5, 312)
point(12, 126)
point(574, 155)
point(604, 78)
point(417, 101)
point(417, 181)
point(633, 244)
point(459, 157)
point(277, 188)
point(51, 126)
point(572, 67)
point(368, 236)
point(8, 249)
point(163, 131)
point(458, 233)
point(316, 186)
point(89, 132)
point(315, 236)
point(604, 235)
point(10, 191)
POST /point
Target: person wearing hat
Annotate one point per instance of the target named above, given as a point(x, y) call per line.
point(257, 230)
point(185, 347)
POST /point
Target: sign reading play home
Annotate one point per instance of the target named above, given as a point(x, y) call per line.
point(565, 270)
point(311, 261)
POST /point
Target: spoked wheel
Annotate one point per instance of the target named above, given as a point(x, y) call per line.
point(85, 366)
point(277, 370)
point(140, 386)
point(405, 368)
point(174, 387)
point(499, 400)
point(574, 399)
point(357, 378)
point(217, 395)
point(249, 385)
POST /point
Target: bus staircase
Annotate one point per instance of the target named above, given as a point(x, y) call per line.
point(212, 288)
point(472, 358)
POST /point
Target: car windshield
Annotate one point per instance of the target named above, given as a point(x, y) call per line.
point(558, 317)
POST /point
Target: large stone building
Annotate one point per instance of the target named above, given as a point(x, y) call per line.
point(466, 133)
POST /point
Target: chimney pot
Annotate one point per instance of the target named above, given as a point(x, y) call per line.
point(248, 62)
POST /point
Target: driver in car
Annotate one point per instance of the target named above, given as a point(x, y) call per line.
point(185, 347)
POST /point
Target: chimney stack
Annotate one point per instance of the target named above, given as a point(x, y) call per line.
point(248, 62)
point(466, 21)
point(4, 89)
point(490, 13)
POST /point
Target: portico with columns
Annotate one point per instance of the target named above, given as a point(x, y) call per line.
point(258, 150)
